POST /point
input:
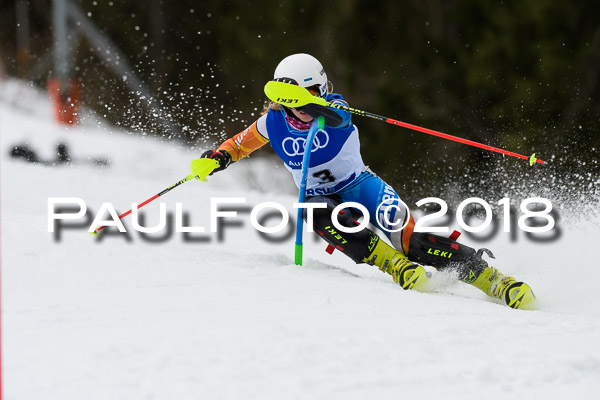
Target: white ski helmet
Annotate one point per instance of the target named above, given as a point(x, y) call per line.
point(304, 69)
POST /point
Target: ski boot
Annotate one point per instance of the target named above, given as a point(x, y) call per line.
point(365, 246)
point(404, 272)
point(506, 288)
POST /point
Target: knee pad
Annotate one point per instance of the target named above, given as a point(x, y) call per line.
point(446, 254)
point(354, 245)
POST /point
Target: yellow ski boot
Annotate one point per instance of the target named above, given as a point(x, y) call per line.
point(506, 288)
point(394, 262)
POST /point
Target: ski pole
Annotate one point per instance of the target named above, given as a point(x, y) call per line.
point(296, 96)
point(316, 126)
point(208, 165)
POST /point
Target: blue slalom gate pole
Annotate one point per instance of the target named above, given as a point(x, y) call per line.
point(316, 126)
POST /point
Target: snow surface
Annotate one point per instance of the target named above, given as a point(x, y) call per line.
point(235, 319)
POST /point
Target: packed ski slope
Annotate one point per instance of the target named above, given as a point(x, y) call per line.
point(232, 317)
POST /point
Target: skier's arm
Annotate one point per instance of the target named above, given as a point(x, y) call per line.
point(244, 143)
point(237, 147)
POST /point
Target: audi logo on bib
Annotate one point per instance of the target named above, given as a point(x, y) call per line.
point(295, 146)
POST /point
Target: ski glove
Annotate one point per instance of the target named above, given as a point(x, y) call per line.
point(202, 167)
point(221, 156)
point(332, 118)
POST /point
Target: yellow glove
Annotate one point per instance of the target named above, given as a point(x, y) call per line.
point(203, 167)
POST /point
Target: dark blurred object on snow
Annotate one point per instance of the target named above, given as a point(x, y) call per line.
point(63, 156)
point(63, 153)
point(25, 153)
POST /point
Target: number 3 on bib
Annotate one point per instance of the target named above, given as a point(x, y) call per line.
point(325, 176)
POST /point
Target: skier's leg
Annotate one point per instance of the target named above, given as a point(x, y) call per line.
point(427, 249)
point(447, 254)
point(364, 246)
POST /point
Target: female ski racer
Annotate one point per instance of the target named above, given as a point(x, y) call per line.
point(337, 174)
